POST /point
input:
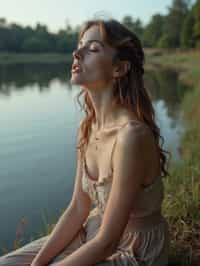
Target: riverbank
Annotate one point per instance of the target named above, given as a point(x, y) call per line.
point(182, 189)
point(43, 58)
point(186, 62)
point(181, 205)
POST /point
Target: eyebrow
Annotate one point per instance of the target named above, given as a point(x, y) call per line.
point(93, 41)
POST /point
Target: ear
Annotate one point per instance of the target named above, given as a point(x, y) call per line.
point(122, 68)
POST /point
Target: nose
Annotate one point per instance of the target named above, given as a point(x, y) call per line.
point(76, 54)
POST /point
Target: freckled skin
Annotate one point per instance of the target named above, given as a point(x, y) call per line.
point(96, 61)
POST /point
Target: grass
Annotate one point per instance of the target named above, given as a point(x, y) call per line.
point(182, 189)
point(187, 62)
point(21, 227)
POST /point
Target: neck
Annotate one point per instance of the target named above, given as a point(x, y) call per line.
point(105, 113)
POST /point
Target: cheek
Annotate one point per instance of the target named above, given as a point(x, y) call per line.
point(102, 67)
point(96, 70)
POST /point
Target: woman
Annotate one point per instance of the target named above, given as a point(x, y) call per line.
point(120, 163)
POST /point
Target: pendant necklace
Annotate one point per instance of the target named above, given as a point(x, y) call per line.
point(96, 140)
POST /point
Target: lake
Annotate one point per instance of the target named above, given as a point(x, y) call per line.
point(39, 116)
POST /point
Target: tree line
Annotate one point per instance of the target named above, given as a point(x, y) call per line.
point(179, 28)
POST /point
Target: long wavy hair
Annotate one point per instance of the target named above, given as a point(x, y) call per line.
point(129, 90)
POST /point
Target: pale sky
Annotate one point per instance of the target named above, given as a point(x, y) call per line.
point(55, 13)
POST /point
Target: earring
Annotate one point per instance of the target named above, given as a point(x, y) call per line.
point(117, 86)
point(120, 89)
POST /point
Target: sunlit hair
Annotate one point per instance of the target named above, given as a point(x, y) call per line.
point(128, 91)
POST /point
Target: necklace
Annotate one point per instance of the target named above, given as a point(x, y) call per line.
point(98, 136)
point(96, 140)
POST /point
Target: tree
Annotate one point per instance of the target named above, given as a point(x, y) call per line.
point(46, 39)
point(164, 41)
point(197, 23)
point(32, 44)
point(16, 37)
point(4, 35)
point(133, 25)
point(187, 33)
point(174, 21)
point(153, 31)
point(2, 22)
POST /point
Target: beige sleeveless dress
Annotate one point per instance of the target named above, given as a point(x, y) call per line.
point(145, 240)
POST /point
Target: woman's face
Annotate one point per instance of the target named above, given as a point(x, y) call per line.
point(95, 60)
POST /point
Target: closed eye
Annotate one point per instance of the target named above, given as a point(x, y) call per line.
point(93, 50)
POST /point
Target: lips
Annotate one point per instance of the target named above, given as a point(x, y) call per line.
point(76, 67)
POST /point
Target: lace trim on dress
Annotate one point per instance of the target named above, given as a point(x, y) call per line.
point(101, 182)
point(108, 178)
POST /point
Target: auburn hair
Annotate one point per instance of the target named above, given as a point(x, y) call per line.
point(129, 90)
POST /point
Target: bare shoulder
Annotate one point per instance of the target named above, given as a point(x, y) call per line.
point(135, 141)
point(135, 133)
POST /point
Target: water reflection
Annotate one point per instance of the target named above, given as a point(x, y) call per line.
point(167, 91)
point(39, 116)
point(19, 77)
point(163, 85)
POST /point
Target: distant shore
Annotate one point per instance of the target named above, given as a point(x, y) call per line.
point(21, 58)
point(182, 189)
point(165, 57)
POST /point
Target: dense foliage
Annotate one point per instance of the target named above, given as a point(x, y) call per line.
point(180, 27)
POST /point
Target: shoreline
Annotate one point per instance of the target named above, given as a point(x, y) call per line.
point(181, 205)
point(182, 190)
point(28, 58)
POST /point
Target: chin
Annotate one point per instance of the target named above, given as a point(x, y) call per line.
point(75, 81)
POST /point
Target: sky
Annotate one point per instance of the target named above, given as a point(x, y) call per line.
point(57, 13)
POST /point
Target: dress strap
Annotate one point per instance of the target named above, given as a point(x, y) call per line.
point(115, 140)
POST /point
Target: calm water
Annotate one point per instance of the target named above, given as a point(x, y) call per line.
point(39, 116)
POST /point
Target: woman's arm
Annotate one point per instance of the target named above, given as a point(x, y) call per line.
point(133, 151)
point(89, 254)
point(69, 223)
